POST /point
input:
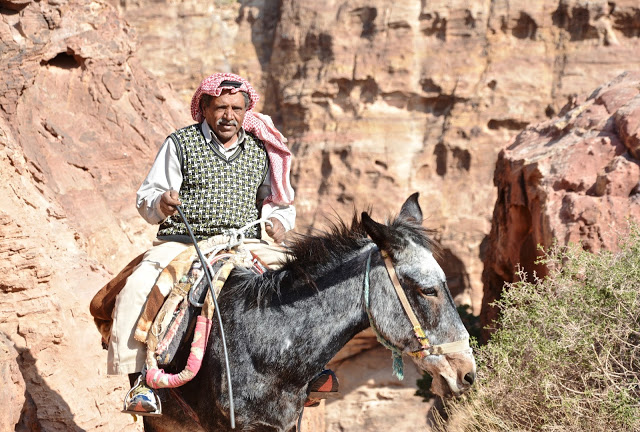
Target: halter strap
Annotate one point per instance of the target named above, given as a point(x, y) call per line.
point(426, 349)
point(396, 354)
point(417, 328)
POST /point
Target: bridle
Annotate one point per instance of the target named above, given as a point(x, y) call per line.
point(426, 349)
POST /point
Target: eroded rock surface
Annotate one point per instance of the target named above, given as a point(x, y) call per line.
point(80, 121)
point(572, 179)
point(379, 99)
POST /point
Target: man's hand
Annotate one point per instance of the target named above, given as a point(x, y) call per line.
point(168, 203)
point(276, 232)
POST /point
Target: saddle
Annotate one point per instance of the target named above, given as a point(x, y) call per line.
point(168, 320)
point(168, 324)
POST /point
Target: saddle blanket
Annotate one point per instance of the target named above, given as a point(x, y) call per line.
point(103, 303)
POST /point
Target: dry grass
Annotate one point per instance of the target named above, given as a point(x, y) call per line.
point(566, 356)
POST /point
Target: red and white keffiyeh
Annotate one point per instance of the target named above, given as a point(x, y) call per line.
point(258, 124)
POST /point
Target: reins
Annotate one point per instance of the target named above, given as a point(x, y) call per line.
point(206, 268)
point(426, 349)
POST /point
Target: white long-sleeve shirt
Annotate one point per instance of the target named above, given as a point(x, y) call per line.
point(165, 174)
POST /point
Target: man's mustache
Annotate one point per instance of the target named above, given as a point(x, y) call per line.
point(226, 123)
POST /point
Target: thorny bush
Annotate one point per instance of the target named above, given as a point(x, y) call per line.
point(566, 353)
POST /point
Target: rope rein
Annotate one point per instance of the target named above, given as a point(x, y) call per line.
point(206, 269)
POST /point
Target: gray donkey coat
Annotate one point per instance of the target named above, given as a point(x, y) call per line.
point(284, 326)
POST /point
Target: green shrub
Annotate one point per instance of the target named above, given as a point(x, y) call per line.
point(566, 355)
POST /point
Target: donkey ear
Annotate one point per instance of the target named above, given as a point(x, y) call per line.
point(379, 233)
point(411, 209)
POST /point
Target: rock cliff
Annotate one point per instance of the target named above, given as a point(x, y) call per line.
point(378, 100)
point(80, 119)
point(572, 179)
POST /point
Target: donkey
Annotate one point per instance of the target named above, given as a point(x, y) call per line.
point(284, 326)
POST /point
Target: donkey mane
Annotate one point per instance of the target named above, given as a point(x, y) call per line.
point(310, 257)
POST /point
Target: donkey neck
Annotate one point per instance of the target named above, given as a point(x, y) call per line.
point(307, 332)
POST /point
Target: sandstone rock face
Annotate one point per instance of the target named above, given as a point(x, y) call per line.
point(572, 179)
point(80, 122)
point(378, 100)
point(182, 42)
point(384, 99)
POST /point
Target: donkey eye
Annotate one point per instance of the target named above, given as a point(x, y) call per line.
point(429, 291)
point(425, 291)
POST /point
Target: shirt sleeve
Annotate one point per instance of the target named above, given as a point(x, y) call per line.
point(165, 174)
point(284, 213)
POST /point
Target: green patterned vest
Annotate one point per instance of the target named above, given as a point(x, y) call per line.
point(216, 193)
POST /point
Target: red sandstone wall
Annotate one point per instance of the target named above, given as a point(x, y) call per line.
point(378, 99)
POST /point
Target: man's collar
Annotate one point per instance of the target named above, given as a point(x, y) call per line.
point(209, 136)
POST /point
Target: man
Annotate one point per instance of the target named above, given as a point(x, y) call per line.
point(225, 171)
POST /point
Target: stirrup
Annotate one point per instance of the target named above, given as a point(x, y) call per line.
point(142, 400)
point(323, 386)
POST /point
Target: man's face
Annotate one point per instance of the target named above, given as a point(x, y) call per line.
point(225, 115)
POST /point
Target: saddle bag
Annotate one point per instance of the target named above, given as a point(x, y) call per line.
point(173, 327)
point(177, 338)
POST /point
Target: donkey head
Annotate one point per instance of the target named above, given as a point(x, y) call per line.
point(411, 257)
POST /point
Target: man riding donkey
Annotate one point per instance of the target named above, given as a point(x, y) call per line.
point(229, 169)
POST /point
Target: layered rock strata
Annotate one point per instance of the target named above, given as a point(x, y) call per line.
point(80, 122)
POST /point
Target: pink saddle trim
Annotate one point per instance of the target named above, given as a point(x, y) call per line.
point(158, 378)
